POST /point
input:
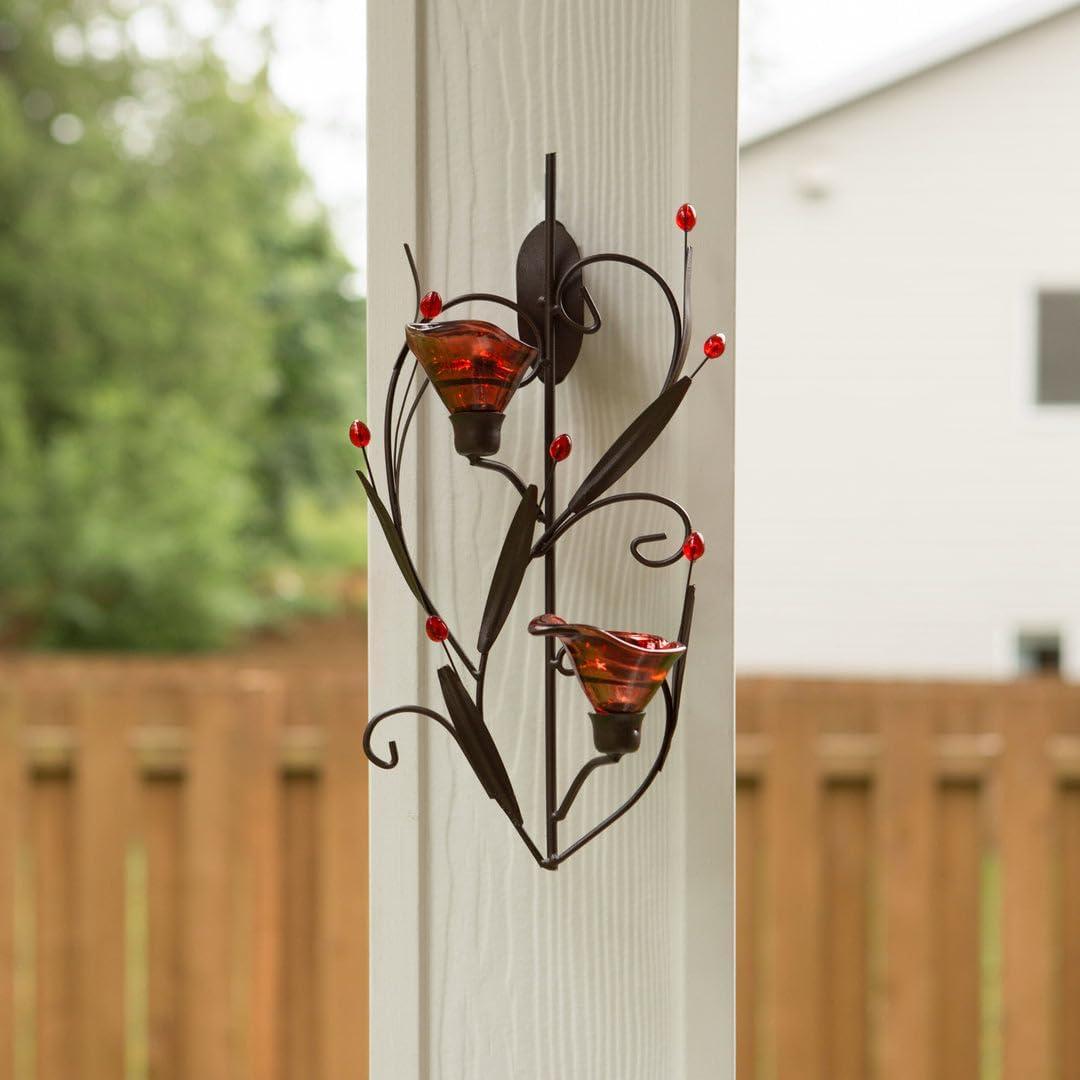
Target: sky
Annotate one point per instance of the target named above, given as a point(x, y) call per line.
point(320, 70)
point(789, 48)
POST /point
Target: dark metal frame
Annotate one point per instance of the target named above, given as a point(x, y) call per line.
point(550, 307)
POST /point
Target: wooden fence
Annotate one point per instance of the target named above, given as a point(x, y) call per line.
point(908, 881)
point(183, 890)
point(183, 873)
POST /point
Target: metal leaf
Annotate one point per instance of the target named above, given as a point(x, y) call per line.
point(393, 538)
point(630, 445)
point(688, 267)
point(509, 570)
point(477, 744)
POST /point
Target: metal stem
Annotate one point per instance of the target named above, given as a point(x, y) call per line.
point(551, 778)
point(579, 781)
point(395, 503)
point(552, 862)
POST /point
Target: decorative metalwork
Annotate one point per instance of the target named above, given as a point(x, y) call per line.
point(475, 382)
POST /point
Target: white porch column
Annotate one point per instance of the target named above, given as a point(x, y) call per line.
point(620, 965)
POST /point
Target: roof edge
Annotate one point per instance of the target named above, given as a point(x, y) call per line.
point(903, 66)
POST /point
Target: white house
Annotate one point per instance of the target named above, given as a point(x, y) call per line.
point(908, 444)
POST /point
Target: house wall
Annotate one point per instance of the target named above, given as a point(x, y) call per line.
point(903, 506)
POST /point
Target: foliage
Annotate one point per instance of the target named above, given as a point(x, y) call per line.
point(178, 358)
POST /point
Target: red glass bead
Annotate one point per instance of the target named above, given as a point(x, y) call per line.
point(714, 346)
point(431, 305)
point(686, 217)
point(560, 448)
point(359, 434)
point(436, 629)
point(694, 546)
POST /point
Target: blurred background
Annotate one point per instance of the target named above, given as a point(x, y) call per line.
point(183, 331)
point(182, 545)
point(907, 531)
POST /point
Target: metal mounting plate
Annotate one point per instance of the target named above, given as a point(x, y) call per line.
point(531, 287)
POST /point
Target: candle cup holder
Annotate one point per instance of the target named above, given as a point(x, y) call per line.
point(477, 433)
point(475, 368)
point(617, 733)
point(619, 670)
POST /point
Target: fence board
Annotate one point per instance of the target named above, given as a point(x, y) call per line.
point(1026, 800)
point(1069, 921)
point(102, 718)
point(256, 737)
point(161, 817)
point(47, 895)
point(209, 1022)
point(792, 903)
point(298, 1045)
point(957, 909)
point(55, 1007)
point(906, 829)
point(344, 893)
point(747, 927)
point(301, 1054)
point(847, 906)
point(11, 808)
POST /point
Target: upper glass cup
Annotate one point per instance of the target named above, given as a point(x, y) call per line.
point(619, 670)
point(475, 368)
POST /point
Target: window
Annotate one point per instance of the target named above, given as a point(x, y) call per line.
point(1059, 348)
point(1039, 653)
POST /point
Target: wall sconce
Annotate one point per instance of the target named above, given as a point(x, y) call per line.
point(475, 369)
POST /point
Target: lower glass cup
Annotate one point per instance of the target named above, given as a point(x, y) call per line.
point(619, 671)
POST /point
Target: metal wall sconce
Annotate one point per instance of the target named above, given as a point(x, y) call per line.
point(475, 368)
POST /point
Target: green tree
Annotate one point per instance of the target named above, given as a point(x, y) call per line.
point(177, 355)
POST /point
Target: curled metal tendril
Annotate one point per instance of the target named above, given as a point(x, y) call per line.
point(597, 321)
point(558, 665)
point(677, 352)
point(638, 541)
point(533, 375)
point(374, 722)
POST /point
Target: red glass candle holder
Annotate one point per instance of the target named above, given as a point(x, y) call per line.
point(619, 670)
point(475, 368)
